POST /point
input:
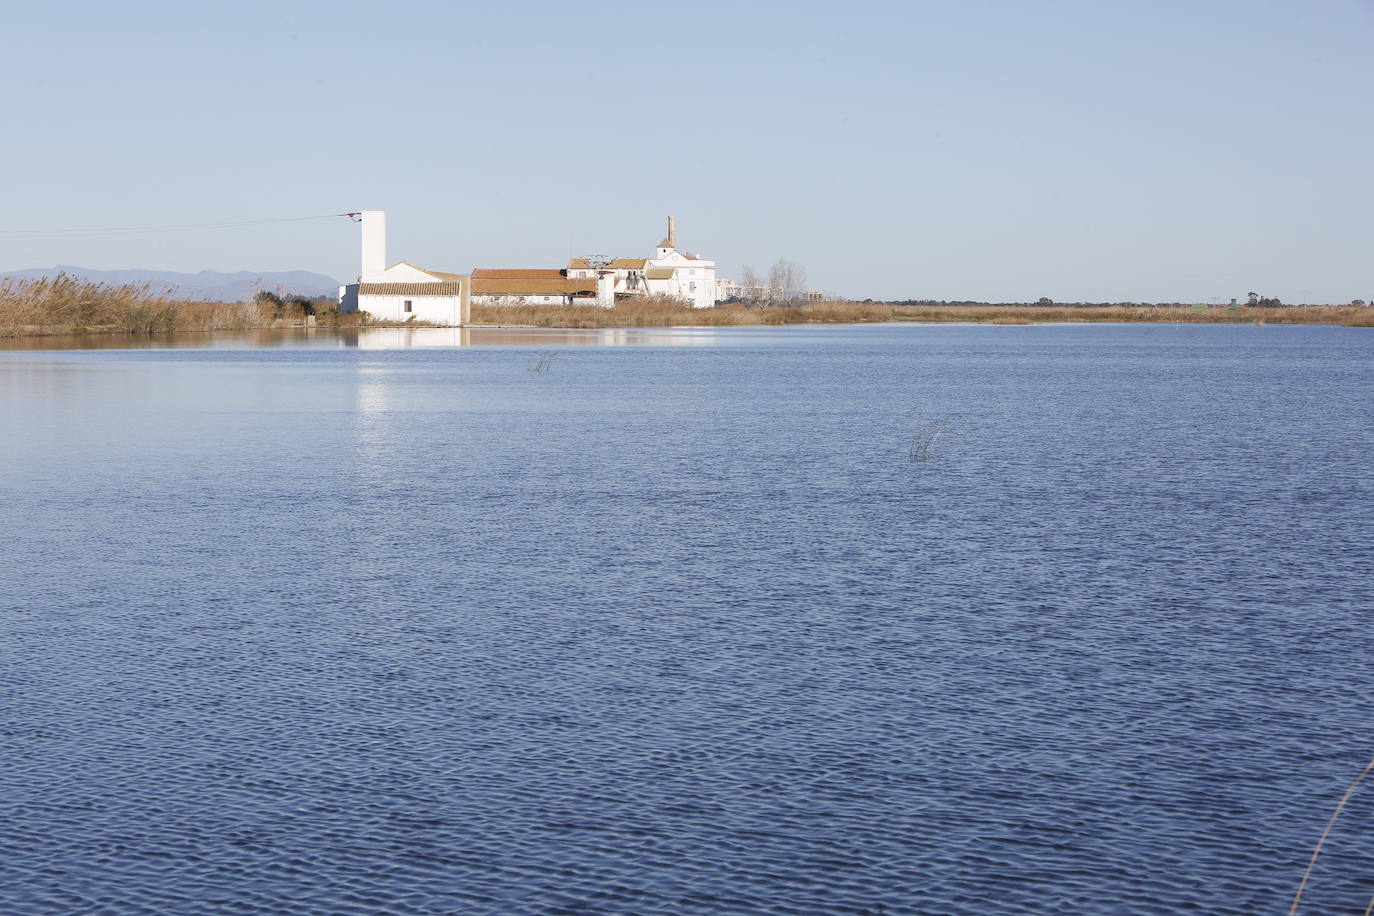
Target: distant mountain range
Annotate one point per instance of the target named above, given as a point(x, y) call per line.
point(209, 285)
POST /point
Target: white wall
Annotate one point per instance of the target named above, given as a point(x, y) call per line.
point(482, 299)
point(627, 279)
point(694, 281)
point(401, 272)
point(445, 310)
point(605, 289)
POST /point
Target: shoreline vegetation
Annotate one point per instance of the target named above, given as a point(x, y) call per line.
point(643, 313)
point(63, 305)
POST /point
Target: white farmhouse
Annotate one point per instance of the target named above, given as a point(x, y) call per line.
point(627, 274)
point(404, 292)
point(533, 286)
point(669, 272)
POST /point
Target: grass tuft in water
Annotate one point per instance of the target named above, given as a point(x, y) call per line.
point(923, 443)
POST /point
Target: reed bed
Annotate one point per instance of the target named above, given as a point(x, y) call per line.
point(667, 312)
point(1352, 316)
point(67, 305)
point(664, 311)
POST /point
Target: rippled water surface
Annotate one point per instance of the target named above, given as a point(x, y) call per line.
point(682, 627)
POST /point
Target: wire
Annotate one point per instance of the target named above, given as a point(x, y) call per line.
point(14, 234)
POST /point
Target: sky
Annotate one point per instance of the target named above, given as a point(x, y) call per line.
point(1002, 150)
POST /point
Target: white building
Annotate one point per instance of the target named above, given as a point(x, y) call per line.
point(498, 286)
point(670, 272)
point(404, 292)
point(627, 274)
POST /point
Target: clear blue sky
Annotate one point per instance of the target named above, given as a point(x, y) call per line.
point(985, 149)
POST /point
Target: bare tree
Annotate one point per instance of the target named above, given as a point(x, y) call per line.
point(788, 280)
point(752, 286)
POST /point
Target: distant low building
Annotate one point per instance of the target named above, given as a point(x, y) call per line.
point(404, 292)
point(735, 291)
point(526, 286)
point(727, 290)
point(670, 272)
point(628, 273)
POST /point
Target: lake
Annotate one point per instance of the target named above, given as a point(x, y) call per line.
point(875, 619)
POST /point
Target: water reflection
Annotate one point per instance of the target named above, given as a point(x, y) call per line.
point(687, 631)
point(374, 339)
point(199, 340)
point(373, 426)
point(404, 338)
point(393, 338)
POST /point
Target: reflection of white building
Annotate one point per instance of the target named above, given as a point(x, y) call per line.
point(412, 338)
point(425, 338)
point(404, 292)
point(670, 272)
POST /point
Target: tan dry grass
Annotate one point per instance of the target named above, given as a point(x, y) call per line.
point(664, 311)
point(67, 305)
point(667, 312)
point(332, 319)
point(63, 305)
point(1027, 314)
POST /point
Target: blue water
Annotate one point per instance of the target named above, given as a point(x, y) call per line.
point(681, 627)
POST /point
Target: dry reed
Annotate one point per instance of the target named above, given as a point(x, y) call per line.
point(1321, 841)
point(1027, 314)
point(62, 304)
point(667, 312)
point(65, 305)
point(545, 360)
point(923, 443)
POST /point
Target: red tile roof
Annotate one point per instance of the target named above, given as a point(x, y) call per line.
point(534, 286)
point(453, 288)
point(517, 273)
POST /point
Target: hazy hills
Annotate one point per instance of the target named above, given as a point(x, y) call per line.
point(210, 285)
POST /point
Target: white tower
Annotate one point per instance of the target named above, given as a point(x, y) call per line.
point(374, 245)
point(669, 242)
point(605, 288)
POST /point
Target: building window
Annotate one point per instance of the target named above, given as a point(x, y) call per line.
point(406, 307)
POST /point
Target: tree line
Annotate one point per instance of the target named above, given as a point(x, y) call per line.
point(785, 285)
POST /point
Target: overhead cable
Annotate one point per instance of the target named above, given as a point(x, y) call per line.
point(16, 234)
